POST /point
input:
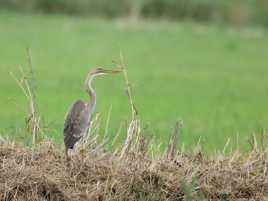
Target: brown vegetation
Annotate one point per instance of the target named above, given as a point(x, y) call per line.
point(42, 174)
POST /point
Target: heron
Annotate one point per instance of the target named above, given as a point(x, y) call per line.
point(78, 118)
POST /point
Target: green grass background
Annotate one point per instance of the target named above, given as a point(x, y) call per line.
point(213, 77)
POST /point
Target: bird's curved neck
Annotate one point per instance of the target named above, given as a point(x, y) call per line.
point(91, 92)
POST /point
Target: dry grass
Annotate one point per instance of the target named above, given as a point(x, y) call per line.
point(42, 174)
point(27, 84)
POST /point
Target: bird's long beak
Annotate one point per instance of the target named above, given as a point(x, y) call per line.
point(111, 71)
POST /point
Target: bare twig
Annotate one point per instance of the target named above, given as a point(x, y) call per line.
point(107, 123)
point(172, 146)
point(117, 134)
point(122, 65)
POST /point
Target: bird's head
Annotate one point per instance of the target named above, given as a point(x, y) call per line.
point(96, 72)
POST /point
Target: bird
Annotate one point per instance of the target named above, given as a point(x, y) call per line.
point(78, 118)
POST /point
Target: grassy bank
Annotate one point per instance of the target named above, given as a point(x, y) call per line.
point(43, 174)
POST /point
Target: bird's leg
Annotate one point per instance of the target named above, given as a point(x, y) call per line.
point(66, 154)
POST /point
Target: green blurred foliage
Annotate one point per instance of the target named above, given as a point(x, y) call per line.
point(261, 10)
point(235, 11)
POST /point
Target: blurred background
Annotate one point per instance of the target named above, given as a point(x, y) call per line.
point(235, 12)
point(202, 61)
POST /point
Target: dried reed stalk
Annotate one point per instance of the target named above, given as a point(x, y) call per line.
point(27, 84)
point(133, 131)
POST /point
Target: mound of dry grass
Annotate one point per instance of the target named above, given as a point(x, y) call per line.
point(42, 174)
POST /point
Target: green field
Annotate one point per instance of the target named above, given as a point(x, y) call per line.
point(212, 77)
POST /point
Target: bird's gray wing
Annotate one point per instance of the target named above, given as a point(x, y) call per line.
point(76, 123)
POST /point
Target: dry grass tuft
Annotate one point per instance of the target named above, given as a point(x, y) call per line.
point(27, 84)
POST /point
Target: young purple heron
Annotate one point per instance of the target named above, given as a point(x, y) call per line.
point(78, 118)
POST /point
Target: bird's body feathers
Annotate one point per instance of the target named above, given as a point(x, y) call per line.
point(76, 123)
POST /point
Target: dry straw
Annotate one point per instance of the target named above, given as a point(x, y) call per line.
point(27, 85)
point(42, 174)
